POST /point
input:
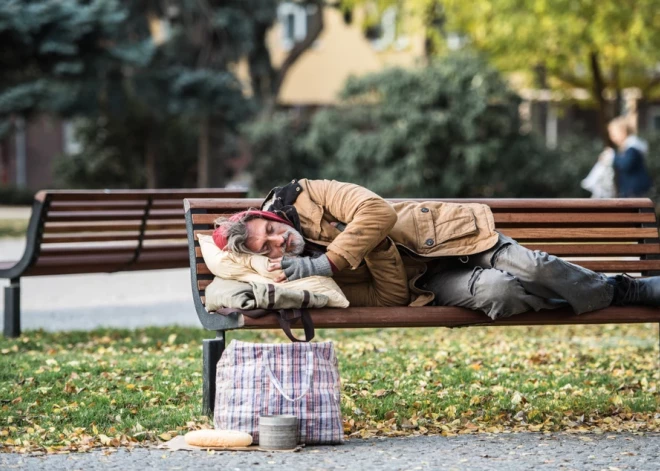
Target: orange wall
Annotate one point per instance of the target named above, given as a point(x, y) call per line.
point(341, 51)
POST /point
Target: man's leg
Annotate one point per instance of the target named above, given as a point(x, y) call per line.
point(492, 291)
point(548, 276)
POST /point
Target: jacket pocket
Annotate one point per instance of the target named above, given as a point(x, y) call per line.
point(437, 224)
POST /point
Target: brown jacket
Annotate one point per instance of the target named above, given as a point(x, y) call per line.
point(419, 230)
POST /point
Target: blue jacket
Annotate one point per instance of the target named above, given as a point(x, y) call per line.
point(632, 177)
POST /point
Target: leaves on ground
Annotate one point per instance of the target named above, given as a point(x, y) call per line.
point(71, 392)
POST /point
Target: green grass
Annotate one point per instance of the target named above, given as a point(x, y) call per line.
point(13, 227)
point(73, 391)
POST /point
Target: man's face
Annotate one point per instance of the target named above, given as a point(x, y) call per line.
point(273, 239)
point(618, 134)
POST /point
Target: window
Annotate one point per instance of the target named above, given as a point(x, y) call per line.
point(293, 19)
point(455, 41)
point(385, 35)
point(71, 144)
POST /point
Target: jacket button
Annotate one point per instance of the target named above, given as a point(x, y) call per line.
point(429, 242)
point(297, 188)
point(425, 210)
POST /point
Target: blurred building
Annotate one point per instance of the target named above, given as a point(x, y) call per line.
point(27, 155)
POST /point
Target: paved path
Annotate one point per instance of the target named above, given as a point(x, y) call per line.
point(477, 452)
point(15, 212)
point(85, 302)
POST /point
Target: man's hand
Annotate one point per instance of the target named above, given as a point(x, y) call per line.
point(300, 267)
point(276, 264)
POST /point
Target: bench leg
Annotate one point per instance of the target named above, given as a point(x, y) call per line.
point(212, 352)
point(13, 308)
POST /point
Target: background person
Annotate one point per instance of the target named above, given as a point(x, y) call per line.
point(632, 177)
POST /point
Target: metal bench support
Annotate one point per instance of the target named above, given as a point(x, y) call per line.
point(212, 352)
point(13, 308)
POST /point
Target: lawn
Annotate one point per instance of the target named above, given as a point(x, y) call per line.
point(75, 391)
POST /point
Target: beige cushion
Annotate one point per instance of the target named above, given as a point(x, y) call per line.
point(253, 268)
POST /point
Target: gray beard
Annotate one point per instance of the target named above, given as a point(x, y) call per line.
point(296, 242)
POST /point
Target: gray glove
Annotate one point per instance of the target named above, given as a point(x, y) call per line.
point(302, 267)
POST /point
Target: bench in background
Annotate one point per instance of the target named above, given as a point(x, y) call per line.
point(611, 236)
point(93, 231)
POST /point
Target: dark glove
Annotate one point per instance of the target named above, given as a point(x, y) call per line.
point(301, 267)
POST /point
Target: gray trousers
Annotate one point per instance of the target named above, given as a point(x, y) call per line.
point(510, 279)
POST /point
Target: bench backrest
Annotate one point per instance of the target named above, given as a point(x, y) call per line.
point(89, 231)
point(612, 236)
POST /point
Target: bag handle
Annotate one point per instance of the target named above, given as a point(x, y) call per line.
point(278, 385)
point(286, 317)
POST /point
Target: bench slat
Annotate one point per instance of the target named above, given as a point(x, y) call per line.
point(114, 215)
point(70, 268)
point(432, 316)
point(521, 218)
point(204, 232)
point(136, 204)
point(82, 238)
point(110, 261)
point(105, 248)
point(58, 228)
point(586, 249)
point(568, 233)
point(606, 266)
point(239, 204)
point(590, 249)
point(128, 195)
point(619, 266)
point(566, 218)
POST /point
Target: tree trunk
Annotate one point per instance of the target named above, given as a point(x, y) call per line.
point(217, 174)
point(598, 90)
point(203, 153)
point(150, 159)
point(541, 79)
point(271, 80)
point(434, 20)
point(314, 29)
point(262, 73)
point(616, 80)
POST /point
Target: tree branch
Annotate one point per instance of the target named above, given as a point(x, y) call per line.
point(598, 87)
point(655, 81)
point(573, 80)
point(314, 29)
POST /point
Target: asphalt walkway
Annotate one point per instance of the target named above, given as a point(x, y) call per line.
point(476, 452)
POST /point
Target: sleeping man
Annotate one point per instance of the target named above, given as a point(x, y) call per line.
point(415, 253)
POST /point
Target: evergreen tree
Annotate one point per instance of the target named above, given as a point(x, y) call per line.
point(62, 56)
point(104, 61)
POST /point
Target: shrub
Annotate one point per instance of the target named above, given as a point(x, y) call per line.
point(11, 195)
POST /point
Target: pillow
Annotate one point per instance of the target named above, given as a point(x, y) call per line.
point(243, 267)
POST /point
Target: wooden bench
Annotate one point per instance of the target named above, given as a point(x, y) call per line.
point(611, 236)
point(100, 231)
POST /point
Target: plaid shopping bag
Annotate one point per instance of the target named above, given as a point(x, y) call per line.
point(300, 379)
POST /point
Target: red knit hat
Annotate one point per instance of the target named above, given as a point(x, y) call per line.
point(220, 237)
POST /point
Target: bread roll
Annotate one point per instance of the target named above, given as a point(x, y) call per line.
point(218, 438)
